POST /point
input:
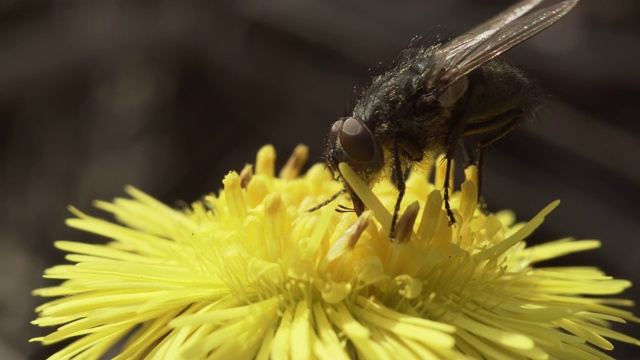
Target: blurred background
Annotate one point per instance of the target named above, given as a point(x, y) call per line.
point(171, 95)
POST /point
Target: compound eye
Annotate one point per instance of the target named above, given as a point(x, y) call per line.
point(453, 92)
point(335, 129)
point(356, 140)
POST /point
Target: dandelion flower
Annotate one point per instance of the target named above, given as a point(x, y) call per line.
point(250, 273)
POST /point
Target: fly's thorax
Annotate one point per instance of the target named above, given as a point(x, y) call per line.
point(389, 97)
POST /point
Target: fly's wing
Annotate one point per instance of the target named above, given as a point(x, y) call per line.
point(456, 58)
point(490, 27)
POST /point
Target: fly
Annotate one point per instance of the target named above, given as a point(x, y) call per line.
point(437, 97)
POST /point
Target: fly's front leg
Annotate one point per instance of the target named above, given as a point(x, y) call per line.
point(328, 201)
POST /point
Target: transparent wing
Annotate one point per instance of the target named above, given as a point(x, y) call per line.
point(490, 27)
point(456, 58)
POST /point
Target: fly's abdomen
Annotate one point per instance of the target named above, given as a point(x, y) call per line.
point(498, 87)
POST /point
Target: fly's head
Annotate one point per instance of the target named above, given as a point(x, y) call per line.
point(352, 142)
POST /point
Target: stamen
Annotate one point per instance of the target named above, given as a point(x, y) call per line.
point(265, 161)
point(245, 175)
point(350, 237)
point(363, 191)
point(404, 227)
point(296, 161)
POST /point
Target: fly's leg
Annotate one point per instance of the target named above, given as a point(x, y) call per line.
point(400, 185)
point(328, 201)
point(447, 206)
point(453, 139)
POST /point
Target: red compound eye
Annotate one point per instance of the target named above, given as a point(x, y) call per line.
point(356, 140)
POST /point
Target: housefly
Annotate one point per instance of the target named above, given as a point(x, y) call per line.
point(437, 97)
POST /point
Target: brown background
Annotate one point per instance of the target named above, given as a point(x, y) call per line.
point(170, 95)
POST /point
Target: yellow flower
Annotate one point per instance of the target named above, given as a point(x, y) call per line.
point(250, 273)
